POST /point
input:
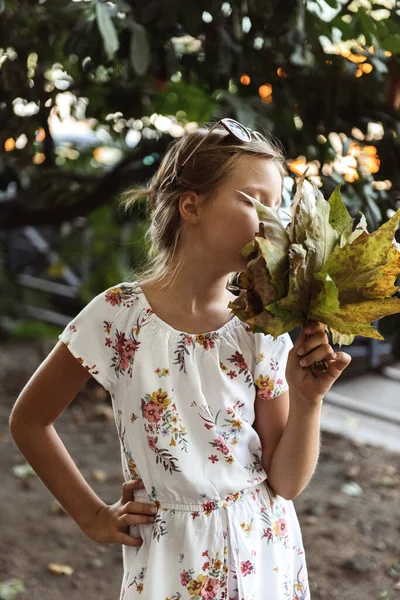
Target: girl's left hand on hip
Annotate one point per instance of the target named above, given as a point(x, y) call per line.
point(308, 382)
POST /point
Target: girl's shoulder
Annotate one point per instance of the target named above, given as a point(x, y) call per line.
point(122, 295)
point(119, 302)
point(100, 335)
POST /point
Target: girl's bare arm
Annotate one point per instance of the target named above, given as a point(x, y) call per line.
point(45, 396)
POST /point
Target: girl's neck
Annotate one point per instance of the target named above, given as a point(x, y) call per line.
point(193, 297)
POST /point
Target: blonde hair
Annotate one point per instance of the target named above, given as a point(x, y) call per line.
point(210, 166)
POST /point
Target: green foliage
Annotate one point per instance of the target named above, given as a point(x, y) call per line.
point(107, 29)
point(126, 61)
point(139, 50)
point(191, 98)
point(111, 250)
point(31, 329)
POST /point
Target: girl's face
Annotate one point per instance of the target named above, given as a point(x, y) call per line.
point(230, 221)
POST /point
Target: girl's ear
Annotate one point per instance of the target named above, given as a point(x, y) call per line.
point(189, 206)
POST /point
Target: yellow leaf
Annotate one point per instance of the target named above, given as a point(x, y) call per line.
point(99, 475)
point(318, 269)
point(296, 300)
point(56, 508)
point(60, 569)
point(359, 265)
point(311, 226)
point(271, 222)
point(339, 217)
point(276, 257)
point(384, 286)
point(55, 270)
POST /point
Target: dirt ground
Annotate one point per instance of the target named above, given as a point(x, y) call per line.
point(352, 542)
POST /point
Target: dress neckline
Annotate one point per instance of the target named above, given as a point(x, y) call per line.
point(232, 324)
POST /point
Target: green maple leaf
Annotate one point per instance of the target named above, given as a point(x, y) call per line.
point(318, 268)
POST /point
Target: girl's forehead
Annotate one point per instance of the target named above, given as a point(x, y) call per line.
point(257, 170)
point(269, 180)
point(260, 177)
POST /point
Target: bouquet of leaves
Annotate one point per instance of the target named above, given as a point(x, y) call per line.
point(318, 269)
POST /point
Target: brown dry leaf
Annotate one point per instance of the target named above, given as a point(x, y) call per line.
point(99, 475)
point(98, 393)
point(57, 509)
point(60, 569)
point(318, 269)
point(104, 411)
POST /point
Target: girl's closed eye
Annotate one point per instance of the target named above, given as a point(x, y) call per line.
point(249, 202)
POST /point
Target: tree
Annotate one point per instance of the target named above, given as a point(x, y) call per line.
point(321, 75)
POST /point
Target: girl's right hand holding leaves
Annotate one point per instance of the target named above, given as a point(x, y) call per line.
point(111, 523)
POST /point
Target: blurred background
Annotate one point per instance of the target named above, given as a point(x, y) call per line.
point(91, 94)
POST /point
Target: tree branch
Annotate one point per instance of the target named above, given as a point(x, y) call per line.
point(130, 170)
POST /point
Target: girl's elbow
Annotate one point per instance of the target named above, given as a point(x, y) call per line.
point(15, 425)
point(19, 423)
point(285, 494)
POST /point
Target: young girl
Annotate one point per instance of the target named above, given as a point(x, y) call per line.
point(218, 426)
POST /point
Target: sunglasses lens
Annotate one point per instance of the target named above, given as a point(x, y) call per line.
point(238, 130)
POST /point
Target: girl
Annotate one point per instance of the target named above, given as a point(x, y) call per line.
point(218, 426)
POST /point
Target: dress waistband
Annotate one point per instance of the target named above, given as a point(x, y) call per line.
point(207, 506)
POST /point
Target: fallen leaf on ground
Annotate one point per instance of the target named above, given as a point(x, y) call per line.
point(57, 509)
point(99, 475)
point(23, 471)
point(11, 588)
point(352, 489)
point(104, 411)
point(60, 569)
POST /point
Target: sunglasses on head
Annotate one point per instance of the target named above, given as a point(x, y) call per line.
point(239, 131)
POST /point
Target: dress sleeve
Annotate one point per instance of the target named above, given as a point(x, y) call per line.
point(92, 336)
point(270, 364)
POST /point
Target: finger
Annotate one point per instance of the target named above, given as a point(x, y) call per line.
point(312, 327)
point(343, 359)
point(128, 488)
point(307, 343)
point(129, 519)
point(323, 351)
point(301, 337)
point(128, 540)
point(312, 342)
point(139, 507)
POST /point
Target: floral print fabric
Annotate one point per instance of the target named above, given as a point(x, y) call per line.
point(184, 410)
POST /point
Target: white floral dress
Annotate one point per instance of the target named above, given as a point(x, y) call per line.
point(184, 409)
